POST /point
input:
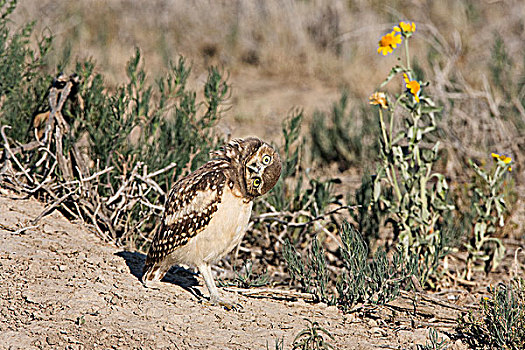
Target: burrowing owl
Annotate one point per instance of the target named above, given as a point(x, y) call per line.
point(207, 212)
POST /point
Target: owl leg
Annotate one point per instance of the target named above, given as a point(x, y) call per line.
point(205, 270)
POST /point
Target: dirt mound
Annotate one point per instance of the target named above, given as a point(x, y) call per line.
point(61, 287)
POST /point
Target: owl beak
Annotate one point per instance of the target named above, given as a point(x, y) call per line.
point(253, 169)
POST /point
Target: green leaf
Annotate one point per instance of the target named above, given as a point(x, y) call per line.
point(393, 72)
point(430, 109)
point(377, 190)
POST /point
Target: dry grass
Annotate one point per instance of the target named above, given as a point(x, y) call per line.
point(281, 51)
point(324, 39)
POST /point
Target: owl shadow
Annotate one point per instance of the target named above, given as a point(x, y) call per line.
point(176, 275)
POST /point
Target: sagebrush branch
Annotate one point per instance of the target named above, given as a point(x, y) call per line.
point(275, 216)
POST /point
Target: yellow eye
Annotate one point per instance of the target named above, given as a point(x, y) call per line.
point(256, 182)
point(266, 160)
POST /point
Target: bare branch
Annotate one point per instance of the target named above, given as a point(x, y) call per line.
point(12, 156)
point(95, 175)
point(23, 229)
point(303, 224)
point(125, 184)
point(163, 170)
point(50, 208)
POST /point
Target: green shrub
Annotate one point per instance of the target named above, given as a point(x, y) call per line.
point(312, 338)
point(372, 281)
point(347, 137)
point(489, 209)
point(312, 273)
point(24, 80)
point(436, 343)
point(247, 278)
point(500, 321)
point(368, 214)
point(106, 156)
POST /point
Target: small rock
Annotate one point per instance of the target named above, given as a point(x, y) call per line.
point(62, 268)
point(52, 339)
point(100, 279)
point(459, 345)
point(377, 331)
point(333, 308)
point(371, 322)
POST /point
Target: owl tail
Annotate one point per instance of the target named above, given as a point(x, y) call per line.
point(153, 272)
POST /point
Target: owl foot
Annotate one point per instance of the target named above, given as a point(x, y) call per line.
point(226, 304)
point(154, 285)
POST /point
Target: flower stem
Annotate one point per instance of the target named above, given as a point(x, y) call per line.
point(407, 54)
point(383, 130)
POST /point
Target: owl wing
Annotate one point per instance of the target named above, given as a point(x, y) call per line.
point(189, 209)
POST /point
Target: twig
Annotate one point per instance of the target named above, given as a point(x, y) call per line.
point(124, 185)
point(271, 214)
point(46, 180)
point(268, 205)
point(160, 171)
point(303, 224)
point(97, 212)
point(33, 190)
point(27, 147)
point(95, 175)
point(433, 300)
point(152, 183)
point(150, 205)
point(271, 293)
point(17, 232)
point(11, 155)
point(461, 280)
point(79, 212)
point(53, 206)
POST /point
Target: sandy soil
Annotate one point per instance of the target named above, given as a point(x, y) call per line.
point(61, 287)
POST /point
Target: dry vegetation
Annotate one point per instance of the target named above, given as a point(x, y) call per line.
point(319, 56)
point(278, 51)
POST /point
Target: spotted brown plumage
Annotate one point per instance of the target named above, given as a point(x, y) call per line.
point(186, 215)
point(207, 212)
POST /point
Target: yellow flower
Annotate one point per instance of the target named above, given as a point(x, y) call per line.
point(413, 87)
point(379, 98)
point(405, 28)
point(503, 158)
point(388, 43)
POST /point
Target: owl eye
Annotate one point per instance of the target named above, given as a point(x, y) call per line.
point(266, 160)
point(256, 182)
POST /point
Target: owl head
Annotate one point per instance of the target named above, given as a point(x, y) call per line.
point(257, 164)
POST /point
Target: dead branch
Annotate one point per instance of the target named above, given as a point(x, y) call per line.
point(271, 293)
point(10, 154)
point(23, 229)
point(125, 185)
point(97, 174)
point(275, 216)
point(55, 204)
point(161, 171)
